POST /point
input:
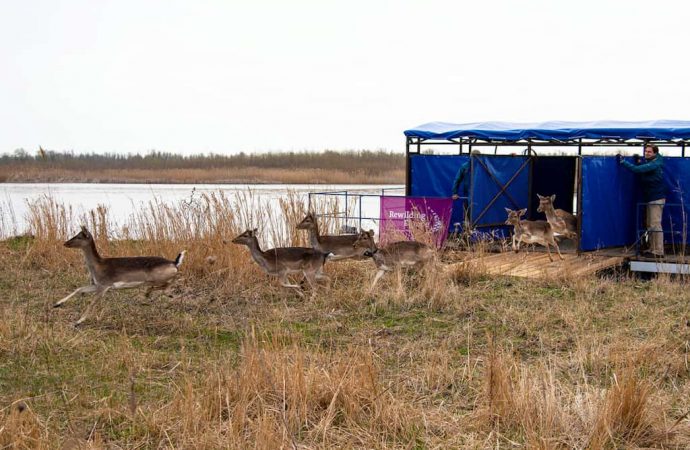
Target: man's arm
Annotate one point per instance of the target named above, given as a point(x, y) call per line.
point(642, 168)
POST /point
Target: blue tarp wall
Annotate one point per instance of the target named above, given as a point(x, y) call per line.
point(607, 213)
point(485, 188)
point(610, 214)
point(609, 193)
point(677, 177)
point(433, 176)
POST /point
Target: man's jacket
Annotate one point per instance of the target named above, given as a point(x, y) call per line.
point(462, 180)
point(651, 176)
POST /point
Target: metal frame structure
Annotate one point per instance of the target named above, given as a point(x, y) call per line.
point(344, 215)
point(415, 145)
point(412, 142)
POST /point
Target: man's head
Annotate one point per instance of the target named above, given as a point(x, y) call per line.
point(650, 152)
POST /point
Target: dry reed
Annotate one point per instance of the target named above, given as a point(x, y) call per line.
point(437, 359)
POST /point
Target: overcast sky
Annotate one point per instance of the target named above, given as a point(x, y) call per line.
point(256, 75)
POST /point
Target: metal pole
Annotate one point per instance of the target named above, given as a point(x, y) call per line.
point(467, 218)
point(407, 166)
point(360, 213)
point(580, 216)
point(637, 229)
point(530, 170)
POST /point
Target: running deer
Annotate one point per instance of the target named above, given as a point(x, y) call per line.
point(531, 232)
point(340, 245)
point(283, 261)
point(411, 254)
point(562, 222)
point(119, 273)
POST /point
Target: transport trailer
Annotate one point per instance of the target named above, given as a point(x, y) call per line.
point(574, 161)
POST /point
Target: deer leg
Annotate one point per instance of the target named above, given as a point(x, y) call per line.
point(378, 276)
point(548, 250)
point(311, 278)
point(99, 294)
point(558, 250)
point(82, 290)
point(157, 287)
point(320, 276)
point(286, 283)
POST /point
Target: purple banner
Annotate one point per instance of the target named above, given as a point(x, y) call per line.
point(423, 219)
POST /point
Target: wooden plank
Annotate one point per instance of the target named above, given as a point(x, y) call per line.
point(533, 264)
point(509, 263)
point(496, 263)
point(578, 268)
point(595, 266)
point(544, 267)
point(513, 262)
point(538, 265)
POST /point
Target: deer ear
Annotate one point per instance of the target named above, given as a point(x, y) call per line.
point(371, 233)
point(523, 211)
point(540, 197)
point(83, 228)
point(254, 231)
point(553, 198)
point(508, 210)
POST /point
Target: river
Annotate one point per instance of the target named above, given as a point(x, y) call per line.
point(123, 200)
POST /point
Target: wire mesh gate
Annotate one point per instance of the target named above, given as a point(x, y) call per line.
point(354, 209)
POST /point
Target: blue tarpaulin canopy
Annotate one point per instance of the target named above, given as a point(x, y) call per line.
point(556, 131)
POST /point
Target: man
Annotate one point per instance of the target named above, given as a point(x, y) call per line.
point(461, 186)
point(462, 179)
point(651, 176)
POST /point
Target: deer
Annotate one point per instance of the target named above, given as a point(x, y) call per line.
point(405, 254)
point(340, 245)
point(562, 222)
point(154, 272)
point(283, 261)
point(531, 232)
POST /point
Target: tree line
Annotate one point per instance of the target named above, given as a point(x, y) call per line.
point(366, 161)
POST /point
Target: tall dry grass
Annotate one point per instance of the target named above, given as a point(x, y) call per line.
point(438, 359)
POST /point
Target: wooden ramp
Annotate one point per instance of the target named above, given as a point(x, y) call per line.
point(538, 265)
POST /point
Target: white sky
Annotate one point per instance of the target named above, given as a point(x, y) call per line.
point(257, 75)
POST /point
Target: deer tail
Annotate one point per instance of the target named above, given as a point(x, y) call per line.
point(180, 257)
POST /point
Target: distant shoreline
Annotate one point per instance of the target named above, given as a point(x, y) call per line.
point(402, 183)
point(185, 176)
point(363, 167)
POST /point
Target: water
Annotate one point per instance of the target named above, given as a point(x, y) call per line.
point(123, 200)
